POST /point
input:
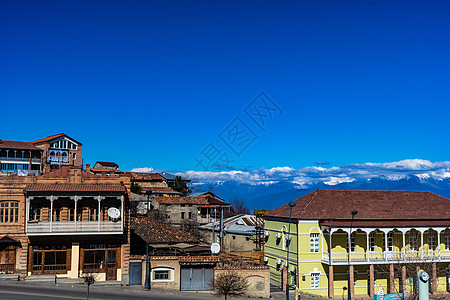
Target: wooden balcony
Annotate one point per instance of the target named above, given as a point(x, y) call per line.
point(386, 257)
point(80, 227)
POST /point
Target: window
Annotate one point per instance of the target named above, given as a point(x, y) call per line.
point(182, 215)
point(447, 241)
point(74, 156)
point(315, 280)
point(352, 242)
point(314, 242)
point(9, 212)
point(413, 241)
point(372, 241)
point(168, 214)
point(56, 214)
point(432, 240)
point(161, 275)
point(190, 215)
point(92, 214)
point(390, 241)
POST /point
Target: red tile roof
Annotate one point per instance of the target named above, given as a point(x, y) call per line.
point(52, 137)
point(98, 170)
point(145, 176)
point(64, 171)
point(17, 145)
point(371, 205)
point(204, 201)
point(107, 164)
point(75, 188)
point(160, 233)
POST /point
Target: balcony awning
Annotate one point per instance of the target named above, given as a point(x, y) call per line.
point(75, 188)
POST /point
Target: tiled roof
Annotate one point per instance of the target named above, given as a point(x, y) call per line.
point(160, 233)
point(98, 170)
point(108, 164)
point(52, 137)
point(17, 145)
point(164, 190)
point(371, 205)
point(199, 259)
point(74, 188)
point(64, 171)
point(387, 223)
point(145, 176)
point(190, 200)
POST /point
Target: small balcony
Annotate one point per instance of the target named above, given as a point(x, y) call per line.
point(21, 159)
point(81, 227)
point(58, 159)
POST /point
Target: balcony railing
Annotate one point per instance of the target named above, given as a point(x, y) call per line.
point(58, 159)
point(22, 159)
point(392, 256)
point(72, 227)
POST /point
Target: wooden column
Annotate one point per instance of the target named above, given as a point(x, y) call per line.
point(371, 281)
point(434, 279)
point(330, 282)
point(352, 281)
point(391, 279)
point(404, 286)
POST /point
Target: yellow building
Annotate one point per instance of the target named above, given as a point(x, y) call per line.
point(392, 232)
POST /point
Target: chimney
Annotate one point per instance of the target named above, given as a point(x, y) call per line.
point(88, 167)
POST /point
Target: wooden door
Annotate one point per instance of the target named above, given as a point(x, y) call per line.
point(7, 259)
point(111, 265)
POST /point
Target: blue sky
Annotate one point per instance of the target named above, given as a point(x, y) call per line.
point(152, 83)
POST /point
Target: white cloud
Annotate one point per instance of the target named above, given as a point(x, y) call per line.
point(308, 176)
point(143, 170)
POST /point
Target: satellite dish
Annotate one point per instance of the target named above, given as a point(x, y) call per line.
point(113, 213)
point(215, 248)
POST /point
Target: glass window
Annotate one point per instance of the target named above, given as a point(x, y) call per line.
point(432, 240)
point(314, 242)
point(390, 240)
point(161, 275)
point(9, 212)
point(182, 215)
point(352, 242)
point(447, 240)
point(413, 241)
point(315, 280)
point(372, 241)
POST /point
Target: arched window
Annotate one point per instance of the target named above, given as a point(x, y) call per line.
point(9, 212)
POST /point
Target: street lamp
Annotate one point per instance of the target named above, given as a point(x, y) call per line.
point(348, 256)
point(288, 241)
point(147, 277)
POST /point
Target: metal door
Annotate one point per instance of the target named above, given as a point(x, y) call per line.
point(196, 279)
point(135, 273)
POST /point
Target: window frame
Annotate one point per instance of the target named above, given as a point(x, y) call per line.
point(9, 212)
point(315, 280)
point(314, 242)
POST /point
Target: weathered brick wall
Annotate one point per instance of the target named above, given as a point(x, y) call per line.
point(257, 277)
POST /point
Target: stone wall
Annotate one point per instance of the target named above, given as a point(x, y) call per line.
point(257, 277)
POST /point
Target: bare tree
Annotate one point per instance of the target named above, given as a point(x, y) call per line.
point(229, 283)
point(89, 279)
point(239, 206)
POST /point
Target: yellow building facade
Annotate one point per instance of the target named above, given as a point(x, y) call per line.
point(385, 245)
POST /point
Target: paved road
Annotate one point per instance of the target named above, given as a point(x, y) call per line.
point(16, 290)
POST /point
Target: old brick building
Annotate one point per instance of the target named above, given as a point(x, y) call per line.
point(59, 223)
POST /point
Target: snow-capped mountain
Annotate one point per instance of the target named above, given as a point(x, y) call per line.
point(270, 188)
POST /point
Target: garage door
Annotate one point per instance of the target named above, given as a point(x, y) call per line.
point(196, 279)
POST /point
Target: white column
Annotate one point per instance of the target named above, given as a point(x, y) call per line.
point(367, 245)
point(421, 243)
point(51, 211)
point(404, 246)
point(439, 243)
point(121, 211)
point(75, 199)
point(385, 245)
point(27, 212)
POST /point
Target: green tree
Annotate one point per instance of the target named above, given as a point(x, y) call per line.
point(135, 188)
point(181, 186)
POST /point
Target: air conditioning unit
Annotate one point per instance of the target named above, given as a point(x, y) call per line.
point(278, 261)
point(266, 233)
point(266, 259)
point(278, 235)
